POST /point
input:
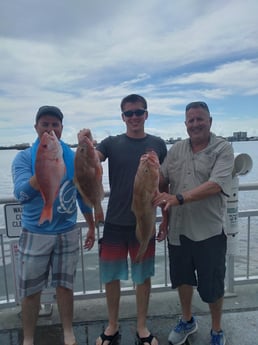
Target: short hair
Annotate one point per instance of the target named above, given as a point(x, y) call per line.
point(197, 104)
point(133, 98)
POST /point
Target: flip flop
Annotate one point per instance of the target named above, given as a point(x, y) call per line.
point(144, 340)
point(111, 338)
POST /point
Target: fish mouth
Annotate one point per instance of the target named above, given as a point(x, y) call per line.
point(150, 157)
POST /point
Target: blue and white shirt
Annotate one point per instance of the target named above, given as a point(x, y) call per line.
point(64, 207)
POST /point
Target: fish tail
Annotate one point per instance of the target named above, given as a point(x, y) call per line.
point(99, 214)
point(46, 214)
point(141, 251)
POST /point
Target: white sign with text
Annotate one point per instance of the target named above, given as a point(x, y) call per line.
point(13, 214)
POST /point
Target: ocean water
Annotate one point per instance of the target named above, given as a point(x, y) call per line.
point(248, 147)
point(247, 200)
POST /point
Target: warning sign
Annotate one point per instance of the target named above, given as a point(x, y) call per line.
point(13, 214)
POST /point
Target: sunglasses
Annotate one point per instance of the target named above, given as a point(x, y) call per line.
point(137, 112)
point(197, 105)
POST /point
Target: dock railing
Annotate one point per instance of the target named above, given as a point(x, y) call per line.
point(242, 263)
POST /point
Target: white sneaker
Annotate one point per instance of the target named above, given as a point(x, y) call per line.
point(183, 329)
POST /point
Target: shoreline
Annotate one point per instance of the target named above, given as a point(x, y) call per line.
point(167, 141)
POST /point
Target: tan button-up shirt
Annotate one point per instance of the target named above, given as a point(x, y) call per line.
point(185, 170)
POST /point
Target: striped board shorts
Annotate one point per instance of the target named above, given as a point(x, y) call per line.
point(40, 254)
point(117, 242)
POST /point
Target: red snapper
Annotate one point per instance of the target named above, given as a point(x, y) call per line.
point(49, 170)
point(88, 177)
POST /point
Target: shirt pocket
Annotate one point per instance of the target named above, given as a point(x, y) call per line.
point(204, 164)
point(176, 170)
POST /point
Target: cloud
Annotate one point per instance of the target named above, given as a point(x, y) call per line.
point(238, 76)
point(86, 56)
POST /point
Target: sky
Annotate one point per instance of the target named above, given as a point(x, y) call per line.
point(85, 56)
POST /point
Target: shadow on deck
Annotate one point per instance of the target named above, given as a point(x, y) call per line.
point(240, 320)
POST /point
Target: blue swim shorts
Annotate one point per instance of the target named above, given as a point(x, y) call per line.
point(115, 245)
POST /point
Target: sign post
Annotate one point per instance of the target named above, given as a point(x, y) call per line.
point(13, 213)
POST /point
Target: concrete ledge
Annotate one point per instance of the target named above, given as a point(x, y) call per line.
point(240, 322)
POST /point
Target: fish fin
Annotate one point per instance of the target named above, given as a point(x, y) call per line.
point(98, 214)
point(141, 251)
point(46, 214)
point(99, 172)
point(42, 194)
point(142, 239)
point(85, 199)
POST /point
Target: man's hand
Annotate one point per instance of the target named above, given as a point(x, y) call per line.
point(85, 132)
point(89, 240)
point(163, 227)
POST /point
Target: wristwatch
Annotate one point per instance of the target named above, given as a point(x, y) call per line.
point(180, 199)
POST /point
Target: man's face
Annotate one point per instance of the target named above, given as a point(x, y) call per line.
point(198, 124)
point(134, 122)
point(47, 123)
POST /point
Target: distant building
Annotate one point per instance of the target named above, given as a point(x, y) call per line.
point(172, 140)
point(240, 136)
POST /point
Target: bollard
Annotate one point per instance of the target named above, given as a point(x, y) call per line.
point(242, 165)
